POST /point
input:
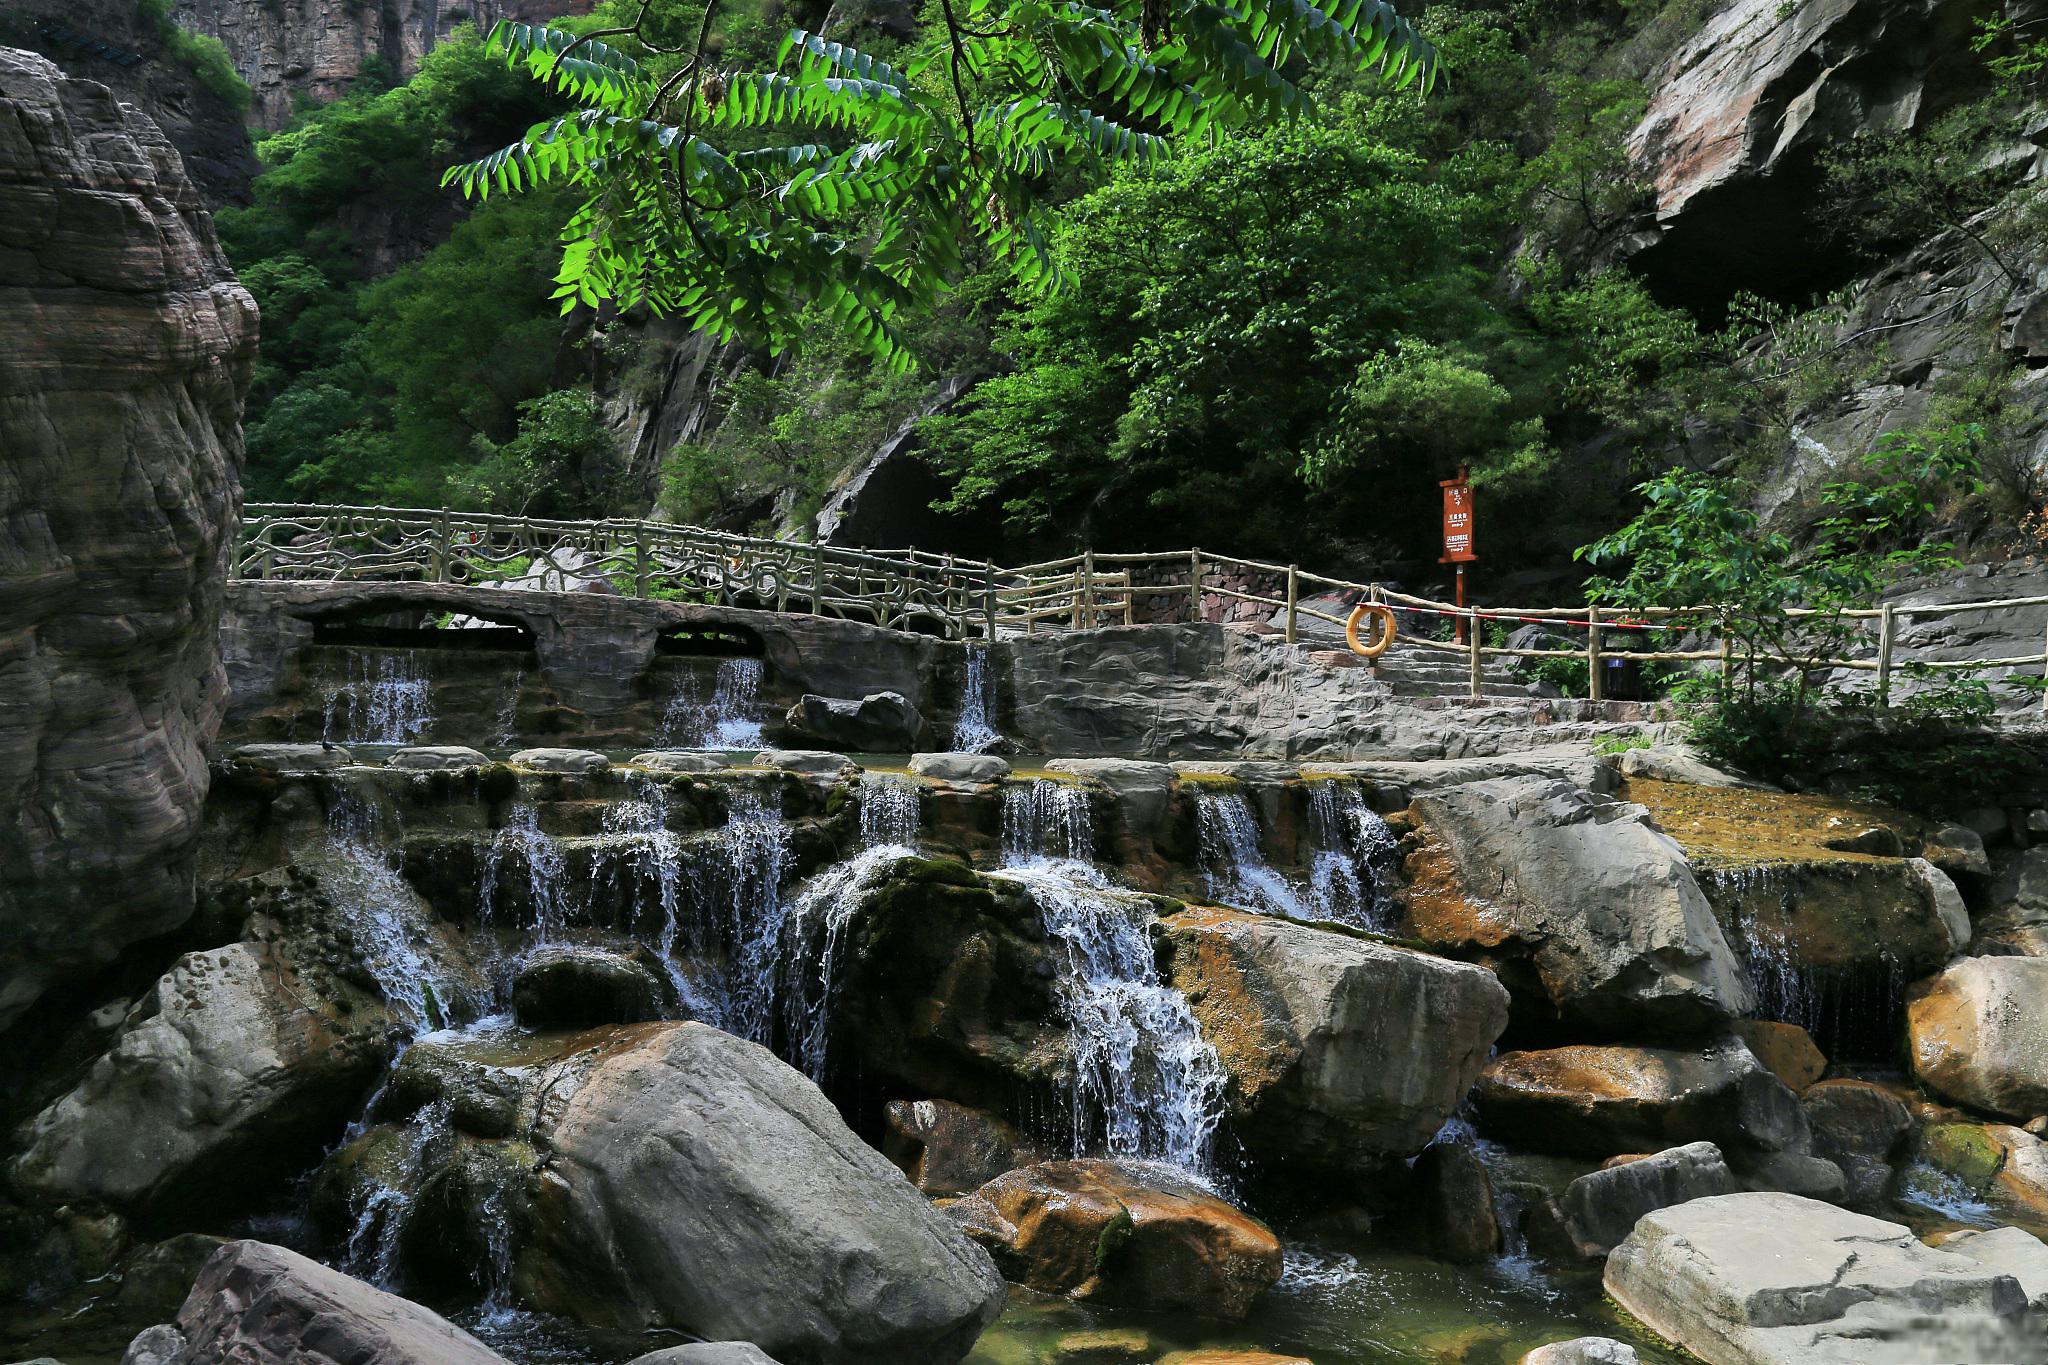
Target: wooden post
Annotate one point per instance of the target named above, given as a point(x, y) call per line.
point(1727, 663)
point(2044, 675)
point(1194, 587)
point(988, 599)
point(1885, 629)
point(1473, 660)
point(1088, 587)
point(639, 559)
point(1594, 687)
point(817, 579)
point(1130, 598)
point(1074, 600)
point(1293, 599)
point(444, 547)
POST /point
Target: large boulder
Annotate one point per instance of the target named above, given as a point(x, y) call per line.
point(2017, 921)
point(1608, 1101)
point(1592, 913)
point(125, 349)
point(694, 1181)
point(1129, 1234)
point(1859, 1126)
point(258, 1303)
point(881, 722)
point(947, 1148)
point(1979, 1034)
point(1341, 1050)
point(1601, 1208)
point(1759, 1279)
point(237, 1063)
point(574, 986)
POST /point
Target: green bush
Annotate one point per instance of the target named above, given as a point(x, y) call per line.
point(205, 57)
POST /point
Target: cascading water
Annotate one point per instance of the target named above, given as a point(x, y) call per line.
point(730, 720)
point(383, 1207)
point(386, 700)
point(373, 896)
point(1043, 818)
point(888, 810)
point(736, 891)
point(1238, 871)
point(521, 848)
point(1352, 867)
point(1851, 1012)
point(1145, 1084)
point(642, 861)
point(975, 732)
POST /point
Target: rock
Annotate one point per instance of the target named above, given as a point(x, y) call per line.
point(947, 1148)
point(825, 1251)
point(680, 761)
point(1676, 765)
point(1794, 1173)
point(1583, 1351)
point(159, 1345)
point(1786, 1050)
point(1858, 1126)
point(1958, 851)
point(256, 1302)
point(125, 349)
point(1341, 1050)
point(2006, 1251)
point(1600, 905)
point(1770, 1278)
point(1143, 791)
point(1127, 1234)
point(1450, 1214)
point(707, 1353)
point(1231, 1358)
point(1601, 1208)
point(561, 760)
point(1604, 1101)
point(881, 722)
point(809, 762)
point(1978, 1033)
point(960, 767)
point(293, 758)
point(1945, 899)
point(2017, 919)
point(1992, 1161)
point(1107, 1346)
point(436, 757)
point(238, 1065)
point(559, 986)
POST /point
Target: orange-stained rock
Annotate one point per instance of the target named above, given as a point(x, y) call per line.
point(1341, 1050)
point(1231, 1358)
point(1979, 1034)
point(1786, 1050)
point(1125, 1233)
point(1603, 1101)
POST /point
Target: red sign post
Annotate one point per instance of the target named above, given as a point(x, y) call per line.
point(1458, 544)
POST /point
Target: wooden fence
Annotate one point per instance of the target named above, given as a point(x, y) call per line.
point(966, 598)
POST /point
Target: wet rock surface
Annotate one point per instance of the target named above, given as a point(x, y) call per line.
point(1979, 1034)
point(1601, 906)
point(1136, 1235)
point(1601, 1209)
point(125, 349)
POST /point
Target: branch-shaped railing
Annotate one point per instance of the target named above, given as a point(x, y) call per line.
point(968, 598)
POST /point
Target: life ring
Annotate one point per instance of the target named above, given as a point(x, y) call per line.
point(1386, 638)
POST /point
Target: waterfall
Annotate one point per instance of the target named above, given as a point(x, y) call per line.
point(1353, 867)
point(1046, 819)
point(974, 732)
point(889, 810)
point(382, 1207)
point(730, 720)
point(386, 700)
point(522, 846)
point(1238, 872)
point(641, 860)
point(372, 896)
point(736, 889)
point(1852, 1012)
point(1145, 1083)
point(735, 705)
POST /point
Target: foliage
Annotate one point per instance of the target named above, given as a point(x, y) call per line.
point(834, 180)
point(1884, 188)
point(563, 463)
point(205, 57)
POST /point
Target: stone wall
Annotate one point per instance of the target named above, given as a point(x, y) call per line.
point(125, 349)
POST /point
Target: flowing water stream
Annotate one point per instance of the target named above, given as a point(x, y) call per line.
point(385, 699)
point(975, 732)
point(1353, 868)
point(730, 719)
point(1238, 873)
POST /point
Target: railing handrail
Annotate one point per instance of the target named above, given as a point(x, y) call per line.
point(969, 595)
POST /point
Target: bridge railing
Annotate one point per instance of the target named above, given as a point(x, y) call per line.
point(906, 589)
point(968, 598)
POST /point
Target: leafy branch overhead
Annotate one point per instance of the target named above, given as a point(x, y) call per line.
point(735, 198)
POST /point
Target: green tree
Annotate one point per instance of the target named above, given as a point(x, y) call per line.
point(740, 198)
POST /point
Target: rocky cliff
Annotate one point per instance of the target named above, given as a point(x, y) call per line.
point(125, 349)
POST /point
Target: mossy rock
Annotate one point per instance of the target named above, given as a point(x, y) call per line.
point(1964, 1150)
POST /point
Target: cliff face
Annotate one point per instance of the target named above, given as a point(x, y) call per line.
point(125, 350)
point(286, 49)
